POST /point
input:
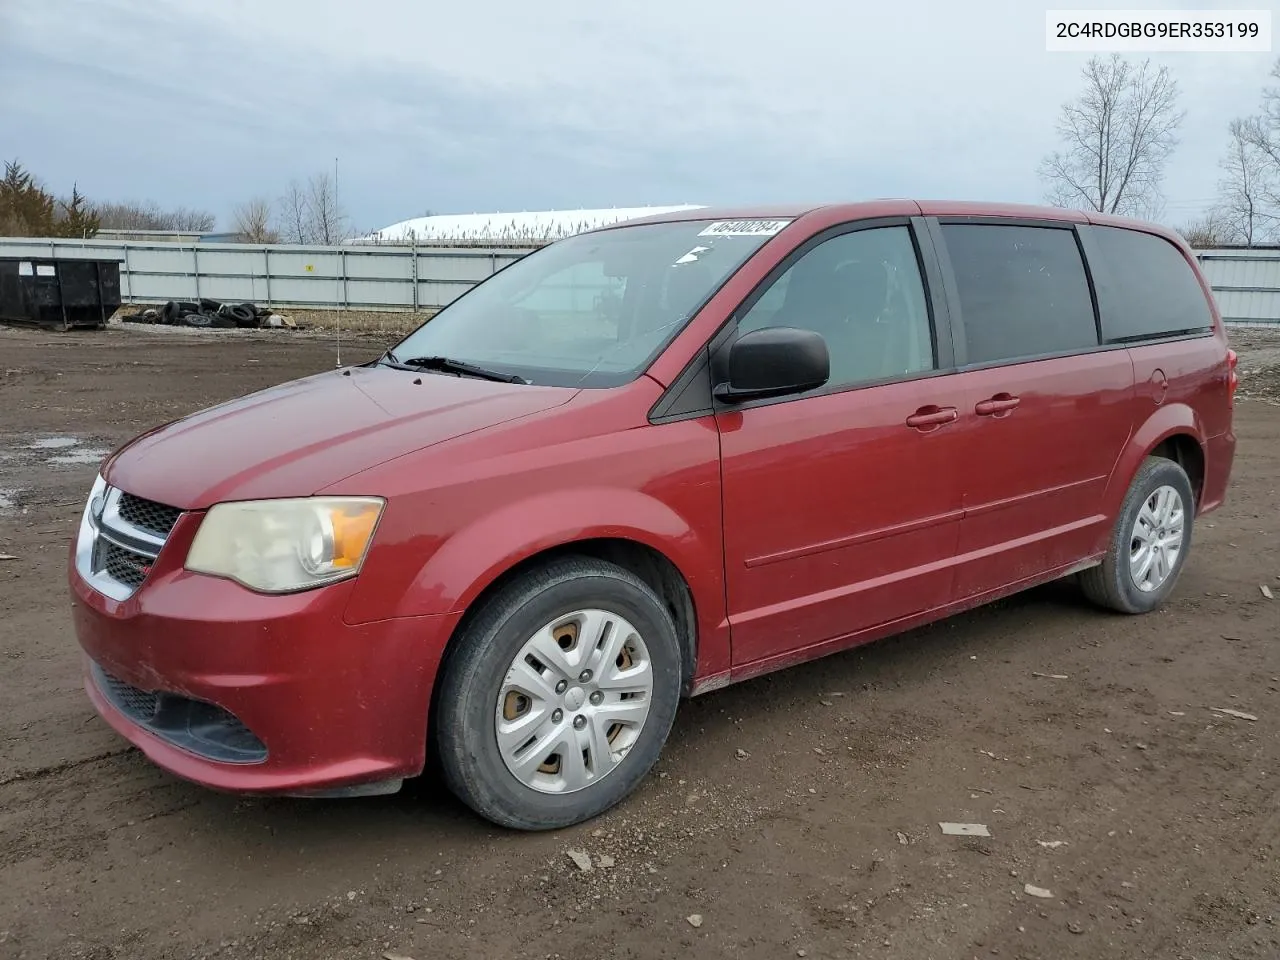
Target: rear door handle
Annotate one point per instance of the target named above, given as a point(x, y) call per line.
point(932, 417)
point(1000, 403)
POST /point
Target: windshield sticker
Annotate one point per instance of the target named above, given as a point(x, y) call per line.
point(692, 255)
point(744, 228)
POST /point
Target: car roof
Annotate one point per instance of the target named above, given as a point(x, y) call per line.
point(774, 212)
point(837, 212)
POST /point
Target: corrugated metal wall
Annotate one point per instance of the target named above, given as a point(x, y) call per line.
point(369, 278)
point(1245, 282)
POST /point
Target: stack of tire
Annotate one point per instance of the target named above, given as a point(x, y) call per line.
point(209, 313)
point(202, 313)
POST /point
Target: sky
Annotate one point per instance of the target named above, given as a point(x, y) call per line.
point(458, 107)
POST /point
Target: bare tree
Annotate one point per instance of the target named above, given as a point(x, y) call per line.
point(1117, 136)
point(253, 222)
point(1244, 188)
point(1211, 229)
point(147, 215)
point(191, 221)
point(294, 220)
point(327, 219)
point(1263, 130)
point(1255, 150)
point(311, 213)
point(128, 215)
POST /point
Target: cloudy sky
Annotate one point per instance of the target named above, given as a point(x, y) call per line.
point(516, 105)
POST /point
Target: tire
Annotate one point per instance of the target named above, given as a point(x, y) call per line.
point(197, 320)
point(485, 657)
point(1113, 584)
point(242, 314)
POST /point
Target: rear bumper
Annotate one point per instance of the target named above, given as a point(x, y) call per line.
point(332, 705)
point(1220, 452)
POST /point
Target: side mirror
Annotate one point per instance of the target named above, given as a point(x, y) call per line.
point(773, 362)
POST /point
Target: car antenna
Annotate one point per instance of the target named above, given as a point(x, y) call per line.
point(338, 274)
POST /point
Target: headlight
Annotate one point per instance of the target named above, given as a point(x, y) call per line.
point(279, 546)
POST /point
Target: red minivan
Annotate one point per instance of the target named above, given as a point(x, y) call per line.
point(643, 463)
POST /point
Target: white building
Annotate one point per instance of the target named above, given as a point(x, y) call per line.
point(527, 227)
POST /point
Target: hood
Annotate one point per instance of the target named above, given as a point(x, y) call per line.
point(297, 438)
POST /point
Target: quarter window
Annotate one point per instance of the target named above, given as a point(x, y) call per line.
point(862, 291)
point(1023, 291)
point(1151, 290)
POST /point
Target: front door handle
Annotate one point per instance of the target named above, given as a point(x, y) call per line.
point(1001, 403)
point(931, 417)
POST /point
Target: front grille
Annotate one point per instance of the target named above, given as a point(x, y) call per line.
point(121, 536)
point(138, 705)
point(201, 728)
point(125, 565)
point(150, 516)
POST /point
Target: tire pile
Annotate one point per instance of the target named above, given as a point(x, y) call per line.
point(210, 313)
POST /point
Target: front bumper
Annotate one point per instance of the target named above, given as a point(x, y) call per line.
point(332, 705)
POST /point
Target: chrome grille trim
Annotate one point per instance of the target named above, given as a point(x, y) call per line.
point(124, 533)
point(103, 534)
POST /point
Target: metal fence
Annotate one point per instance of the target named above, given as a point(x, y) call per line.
point(1246, 281)
point(353, 277)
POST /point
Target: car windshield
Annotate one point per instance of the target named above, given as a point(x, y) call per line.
point(592, 310)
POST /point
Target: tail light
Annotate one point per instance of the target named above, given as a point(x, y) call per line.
point(1233, 378)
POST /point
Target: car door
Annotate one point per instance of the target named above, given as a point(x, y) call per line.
point(1047, 410)
point(842, 505)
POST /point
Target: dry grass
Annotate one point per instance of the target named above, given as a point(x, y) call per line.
point(376, 323)
point(379, 322)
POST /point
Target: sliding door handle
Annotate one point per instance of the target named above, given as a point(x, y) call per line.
point(997, 405)
point(932, 417)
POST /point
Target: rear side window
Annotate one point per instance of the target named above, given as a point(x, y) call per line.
point(1023, 291)
point(1151, 290)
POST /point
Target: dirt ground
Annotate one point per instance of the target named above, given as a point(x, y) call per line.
point(795, 816)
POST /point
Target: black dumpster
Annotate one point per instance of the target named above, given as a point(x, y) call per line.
point(58, 293)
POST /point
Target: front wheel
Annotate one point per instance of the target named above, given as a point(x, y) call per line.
point(558, 696)
point(1149, 543)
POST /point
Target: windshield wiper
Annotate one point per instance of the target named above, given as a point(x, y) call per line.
point(447, 365)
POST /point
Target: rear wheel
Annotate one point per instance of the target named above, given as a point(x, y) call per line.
point(558, 696)
point(1149, 544)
